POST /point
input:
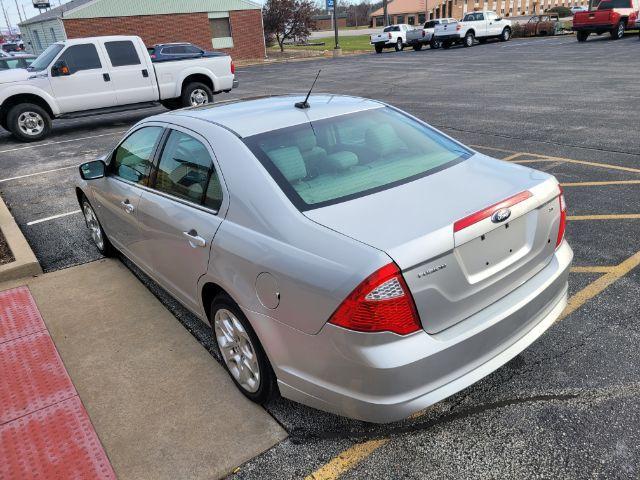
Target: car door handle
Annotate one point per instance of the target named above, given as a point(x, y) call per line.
point(107, 77)
point(145, 73)
point(194, 240)
point(126, 205)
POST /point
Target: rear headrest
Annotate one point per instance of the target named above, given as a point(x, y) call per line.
point(383, 139)
point(342, 160)
point(290, 163)
point(306, 141)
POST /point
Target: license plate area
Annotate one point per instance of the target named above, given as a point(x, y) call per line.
point(495, 250)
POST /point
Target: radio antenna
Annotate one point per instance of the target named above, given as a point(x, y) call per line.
point(305, 104)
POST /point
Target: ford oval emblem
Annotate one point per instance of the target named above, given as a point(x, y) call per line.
point(501, 215)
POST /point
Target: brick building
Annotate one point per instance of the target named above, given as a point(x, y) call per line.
point(233, 26)
point(325, 22)
point(412, 12)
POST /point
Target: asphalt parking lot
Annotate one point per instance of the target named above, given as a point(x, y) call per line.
point(569, 406)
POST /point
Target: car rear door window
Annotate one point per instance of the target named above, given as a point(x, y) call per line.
point(186, 171)
point(132, 159)
point(122, 53)
point(81, 57)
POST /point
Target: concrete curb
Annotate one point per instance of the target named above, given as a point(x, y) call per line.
point(25, 263)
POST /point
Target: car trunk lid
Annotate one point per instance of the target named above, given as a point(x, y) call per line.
point(456, 264)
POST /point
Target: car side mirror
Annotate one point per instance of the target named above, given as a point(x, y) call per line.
point(60, 69)
point(93, 170)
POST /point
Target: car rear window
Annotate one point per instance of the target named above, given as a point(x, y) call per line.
point(609, 4)
point(394, 28)
point(345, 157)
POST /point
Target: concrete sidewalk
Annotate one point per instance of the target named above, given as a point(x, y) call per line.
point(160, 404)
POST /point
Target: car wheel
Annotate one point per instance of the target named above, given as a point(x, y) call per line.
point(242, 354)
point(434, 43)
point(505, 35)
point(399, 46)
point(196, 94)
point(446, 44)
point(417, 47)
point(98, 236)
point(28, 122)
point(468, 40)
point(582, 36)
point(378, 48)
point(618, 32)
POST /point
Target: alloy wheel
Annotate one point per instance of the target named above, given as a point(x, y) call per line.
point(94, 226)
point(31, 123)
point(237, 350)
point(198, 97)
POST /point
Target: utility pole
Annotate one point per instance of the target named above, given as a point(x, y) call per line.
point(19, 13)
point(385, 12)
point(335, 24)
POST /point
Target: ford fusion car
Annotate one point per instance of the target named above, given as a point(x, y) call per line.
point(347, 255)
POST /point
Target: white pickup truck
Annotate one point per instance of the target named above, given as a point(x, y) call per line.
point(420, 37)
point(393, 36)
point(89, 76)
point(475, 25)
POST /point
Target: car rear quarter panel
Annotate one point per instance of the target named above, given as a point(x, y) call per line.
point(314, 267)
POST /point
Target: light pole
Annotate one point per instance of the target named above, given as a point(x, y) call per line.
point(335, 24)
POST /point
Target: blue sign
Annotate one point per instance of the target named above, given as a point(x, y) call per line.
point(330, 4)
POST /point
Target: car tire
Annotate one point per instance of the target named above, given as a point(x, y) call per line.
point(434, 44)
point(618, 31)
point(505, 35)
point(468, 40)
point(379, 48)
point(28, 122)
point(98, 236)
point(417, 47)
point(446, 44)
point(230, 326)
point(399, 46)
point(196, 94)
point(582, 36)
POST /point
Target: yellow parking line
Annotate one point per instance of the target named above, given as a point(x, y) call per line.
point(598, 285)
point(346, 460)
point(513, 156)
point(623, 216)
point(593, 269)
point(581, 162)
point(597, 184)
point(353, 455)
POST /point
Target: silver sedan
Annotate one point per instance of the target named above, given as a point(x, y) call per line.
point(347, 254)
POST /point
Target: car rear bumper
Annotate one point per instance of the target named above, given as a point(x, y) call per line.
point(451, 36)
point(384, 377)
point(236, 83)
point(597, 27)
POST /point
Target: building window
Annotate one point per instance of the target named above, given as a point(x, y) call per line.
point(399, 19)
point(53, 35)
point(422, 18)
point(411, 20)
point(36, 37)
point(379, 21)
point(220, 27)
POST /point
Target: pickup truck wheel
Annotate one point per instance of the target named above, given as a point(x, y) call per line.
point(505, 35)
point(582, 36)
point(195, 94)
point(399, 45)
point(434, 43)
point(29, 122)
point(417, 47)
point(618, 32)
point(379, 48)
point(468, 40)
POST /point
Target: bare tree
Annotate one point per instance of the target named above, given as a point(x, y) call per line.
point(288, 19)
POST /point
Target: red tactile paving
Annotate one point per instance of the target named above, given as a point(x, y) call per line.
point(57, 442)
point(19, 315)
point(32, 376)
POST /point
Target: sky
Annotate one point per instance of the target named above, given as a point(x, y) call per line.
point(12, 11)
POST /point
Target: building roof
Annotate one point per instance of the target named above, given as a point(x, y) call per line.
point(399, 7)
point(57, 12)
point(129, 8)
point(246, 118)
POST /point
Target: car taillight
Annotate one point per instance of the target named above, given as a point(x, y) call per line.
point(389, 35)
point(381, 303)
point(563, 218)
point(153, 56)
point(233, 68)
point(423, 34)
point(458, 27)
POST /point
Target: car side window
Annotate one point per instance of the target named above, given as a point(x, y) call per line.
point(192, 49)
point(122, 53)
point(132, 159)
point(81, 57)
point(186, 171)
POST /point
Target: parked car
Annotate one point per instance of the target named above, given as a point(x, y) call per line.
point(418, 37)
point(578, 8)
point(393, 36)
point(613, 16)
point(176, 51)
point(11, 47)
point(477, 25)
point(541, 25)
point(89, 76)
point(16, 61)
point(263, 230)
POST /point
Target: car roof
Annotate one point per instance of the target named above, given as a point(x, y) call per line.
point(258, 115)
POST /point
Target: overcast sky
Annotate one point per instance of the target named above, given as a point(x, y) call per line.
point(12, 11)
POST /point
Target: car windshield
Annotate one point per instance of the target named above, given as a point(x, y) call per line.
point(345, 157)
point(609, 4)
point(392, 29)
point(46, 57)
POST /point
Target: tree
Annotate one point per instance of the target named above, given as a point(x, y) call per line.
point(287, 19)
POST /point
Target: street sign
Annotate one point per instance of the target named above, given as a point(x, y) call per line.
point(41, 4)
point(330, 4)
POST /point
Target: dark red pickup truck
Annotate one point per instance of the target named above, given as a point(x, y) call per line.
point(613, 16)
